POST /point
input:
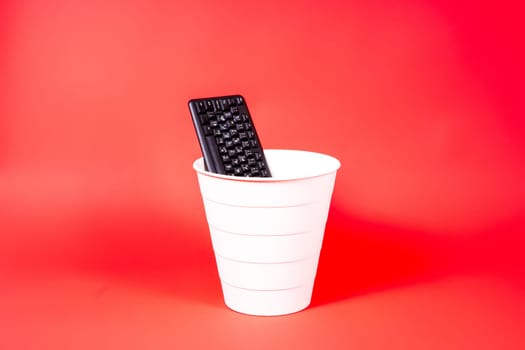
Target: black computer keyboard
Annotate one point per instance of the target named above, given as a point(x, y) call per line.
point(227, 136)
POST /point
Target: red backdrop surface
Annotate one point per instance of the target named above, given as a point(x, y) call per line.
point(103, 238)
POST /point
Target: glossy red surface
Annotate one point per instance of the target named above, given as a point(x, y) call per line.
point(103, 239)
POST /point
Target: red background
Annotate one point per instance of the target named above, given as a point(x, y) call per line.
point(103, 239)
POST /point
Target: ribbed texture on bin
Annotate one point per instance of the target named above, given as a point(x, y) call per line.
point(267, 235)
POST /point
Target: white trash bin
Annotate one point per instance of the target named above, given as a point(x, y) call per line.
point(267, 233)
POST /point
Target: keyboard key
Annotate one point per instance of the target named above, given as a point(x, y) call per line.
point(201, 106)
point(203, 118)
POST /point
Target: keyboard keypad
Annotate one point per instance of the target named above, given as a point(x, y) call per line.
point(226, 121)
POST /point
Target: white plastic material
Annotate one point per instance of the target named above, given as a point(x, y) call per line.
point(267, 233)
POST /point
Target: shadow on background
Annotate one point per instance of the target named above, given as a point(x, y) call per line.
point(359, 257)
point(150, 250)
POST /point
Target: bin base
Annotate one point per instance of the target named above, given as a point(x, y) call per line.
point(267, 302)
